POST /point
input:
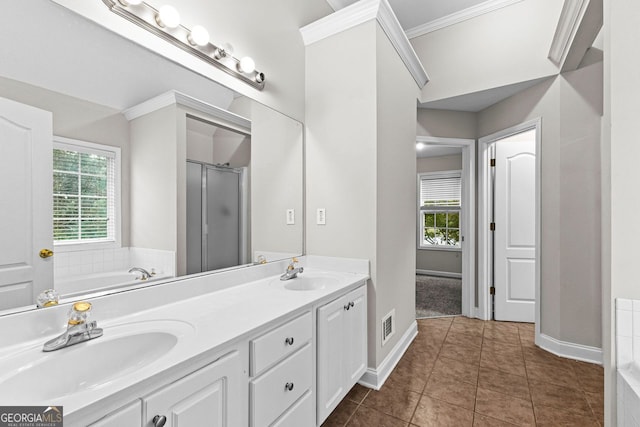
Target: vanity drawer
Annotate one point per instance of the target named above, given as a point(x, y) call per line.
point(276, 390)
point(302, 413)
point(280, 342)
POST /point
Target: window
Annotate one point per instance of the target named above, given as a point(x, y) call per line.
point(85, 199)
point(439, 208)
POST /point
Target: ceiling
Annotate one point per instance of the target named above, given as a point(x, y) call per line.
point(56, 49)
point(416, 13)
point(421, 16)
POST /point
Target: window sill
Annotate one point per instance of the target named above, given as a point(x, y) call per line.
point(77, 247)
point(440, 248)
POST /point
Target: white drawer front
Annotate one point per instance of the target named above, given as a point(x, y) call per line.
point(302, 413)
point(280, 387)
point(280, 342)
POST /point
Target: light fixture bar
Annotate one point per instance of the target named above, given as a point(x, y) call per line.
point(145, 15)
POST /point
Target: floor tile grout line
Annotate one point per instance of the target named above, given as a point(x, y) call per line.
point(431, 372)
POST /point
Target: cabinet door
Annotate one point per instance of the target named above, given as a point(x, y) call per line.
point(355, 326)
point(211, 396)
point(331, 352)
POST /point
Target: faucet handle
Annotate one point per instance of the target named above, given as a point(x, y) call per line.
point(292, 264)
point(79, 313)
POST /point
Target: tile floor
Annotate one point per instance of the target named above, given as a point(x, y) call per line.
point(466, 372)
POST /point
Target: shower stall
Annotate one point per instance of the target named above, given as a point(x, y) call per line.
point(217, 215)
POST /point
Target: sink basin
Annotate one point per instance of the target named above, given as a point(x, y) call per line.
point(45, 377)
point(307, 282)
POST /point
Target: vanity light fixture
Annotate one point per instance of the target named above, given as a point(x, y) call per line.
point(165, 23)
point(168, 16)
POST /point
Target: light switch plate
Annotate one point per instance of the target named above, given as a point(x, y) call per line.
point(321, 218)
point(291, 216)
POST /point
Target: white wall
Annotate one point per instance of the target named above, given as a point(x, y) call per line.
point(276, 182)
point(570, 106)
point(433, 259)
point(154, 180)
point(266, 31)
point(78, 119)
point(360, 167)
point(396, 193)
point(504, 47)
point(446, 124)
point(621, 200)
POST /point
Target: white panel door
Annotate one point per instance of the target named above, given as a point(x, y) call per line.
point(26, 197)
point(515, 218)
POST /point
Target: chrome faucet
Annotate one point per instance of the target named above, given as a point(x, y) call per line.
point(292, 271)
point(145, 274)
point(78, 329)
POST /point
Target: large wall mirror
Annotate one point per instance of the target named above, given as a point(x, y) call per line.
point(148, 166)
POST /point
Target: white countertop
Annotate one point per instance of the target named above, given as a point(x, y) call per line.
point(212, 321)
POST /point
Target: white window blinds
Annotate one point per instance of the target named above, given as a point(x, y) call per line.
point(440, 190)
point(84, 194)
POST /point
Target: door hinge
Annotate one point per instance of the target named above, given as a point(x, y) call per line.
point(492, 290)
point(492, 226)
point(492, 163)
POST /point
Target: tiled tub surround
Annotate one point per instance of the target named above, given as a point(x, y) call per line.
point(223, 308)
point(100, 270)
point(462, 372)
point(78, 263)
point(628, 361)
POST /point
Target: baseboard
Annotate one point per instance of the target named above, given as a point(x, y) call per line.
point(581, 352)
point(439, 273)
point(375, 378)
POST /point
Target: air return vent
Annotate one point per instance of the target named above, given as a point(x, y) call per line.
point(388, 326)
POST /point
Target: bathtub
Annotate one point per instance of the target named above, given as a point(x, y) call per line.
point(628, 362)
point(101, 283)
point(629, 395)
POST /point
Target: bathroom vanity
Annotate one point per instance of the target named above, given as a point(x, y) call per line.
point(260, 352)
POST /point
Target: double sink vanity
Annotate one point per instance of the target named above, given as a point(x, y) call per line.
point(237, 348)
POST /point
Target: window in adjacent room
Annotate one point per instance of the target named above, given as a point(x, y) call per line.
point(439, 209)
point(85, 192)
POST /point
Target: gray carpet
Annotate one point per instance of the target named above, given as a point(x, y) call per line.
point(438, 296)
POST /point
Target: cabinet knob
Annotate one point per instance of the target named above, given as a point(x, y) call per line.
point(289, 341)
point(159, 420)
point(351, 304)
point(347, 306)
point(288, 386)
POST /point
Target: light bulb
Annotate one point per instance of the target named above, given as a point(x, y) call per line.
point(420, 145)
point(199, 36)
point(168, 17)
point(247, 65)
point(134, 2)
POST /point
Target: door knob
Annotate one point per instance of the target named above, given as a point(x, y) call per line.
point(46, 253)
point(159, 420)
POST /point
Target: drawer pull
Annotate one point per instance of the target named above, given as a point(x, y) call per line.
point(347, 306)
point(289, 341)
point(159, 420)
point(351, 304)
point(288, 386)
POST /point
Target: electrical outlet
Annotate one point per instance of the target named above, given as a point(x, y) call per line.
point(321, 217)
point(291, 216)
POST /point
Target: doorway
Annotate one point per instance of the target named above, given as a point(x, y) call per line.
point(446, 232)
point(510, 224)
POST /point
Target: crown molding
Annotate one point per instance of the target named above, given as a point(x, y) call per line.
point(456, 18)
point(361, 12)
point(573, 12)
point(173, 97)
